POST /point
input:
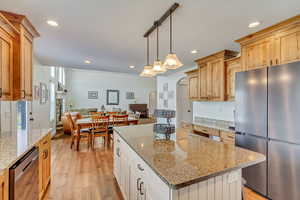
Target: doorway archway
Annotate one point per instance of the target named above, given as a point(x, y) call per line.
point(184, 106)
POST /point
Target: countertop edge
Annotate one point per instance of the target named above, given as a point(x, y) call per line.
point(181, 185)
point(2, 170)
point(213, 127)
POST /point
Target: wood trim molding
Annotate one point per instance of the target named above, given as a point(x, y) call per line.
point(269, 30)
point(221, 54)
point(7, 26)
point(17, 20)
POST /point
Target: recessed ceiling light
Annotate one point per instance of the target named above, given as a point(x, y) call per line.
point(52, 23)
point(253, 24)
point(194, 51)
point(87, 62)
point(131, 66)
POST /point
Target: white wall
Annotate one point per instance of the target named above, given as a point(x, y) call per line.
point(82, 81)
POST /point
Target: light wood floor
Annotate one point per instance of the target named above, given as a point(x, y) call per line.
point(87, 174)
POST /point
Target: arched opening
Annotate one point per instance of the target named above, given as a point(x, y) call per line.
point(184, 107)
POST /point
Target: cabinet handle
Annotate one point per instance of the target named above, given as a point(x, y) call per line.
point(0, 92)
point(24, 95)
point(138, 184)
point(140, 167)
point(271, 62)
point(45, 154)
point(276, 61)
point(141, 186)
point(118, 152)
point(118, 140)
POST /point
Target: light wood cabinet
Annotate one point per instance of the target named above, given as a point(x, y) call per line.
point(44, 164)
point(227, 137)
point(272, 46)
point(193, 84)
point(212, 76)
point(203, 83)
point(16, 54)
point(4, 185)
point(232, 67)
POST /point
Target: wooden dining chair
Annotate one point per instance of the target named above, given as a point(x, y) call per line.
point(75, 136)
point(99, 128)
point(120, 120)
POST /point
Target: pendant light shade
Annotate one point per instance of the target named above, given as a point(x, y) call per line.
point(172, 61)
point(158, 66)
point(148, 69)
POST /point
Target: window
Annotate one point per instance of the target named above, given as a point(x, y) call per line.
point(52, 72)
point(52, 101)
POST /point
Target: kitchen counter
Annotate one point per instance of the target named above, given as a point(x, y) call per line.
point(186, 158)
point(214, 123)
point(15, 144)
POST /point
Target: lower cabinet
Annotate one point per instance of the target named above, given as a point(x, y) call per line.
point(44, 164)
point(4, 185)
point(136, 180)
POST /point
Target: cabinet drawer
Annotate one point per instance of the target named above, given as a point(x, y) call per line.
point(206, 130)
point(227, 137)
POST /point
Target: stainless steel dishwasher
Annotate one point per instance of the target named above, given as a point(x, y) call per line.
point(24, 177)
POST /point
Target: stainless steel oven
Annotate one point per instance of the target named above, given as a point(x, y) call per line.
point(24, 177)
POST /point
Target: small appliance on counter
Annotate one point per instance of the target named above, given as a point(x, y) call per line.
point(164, 129)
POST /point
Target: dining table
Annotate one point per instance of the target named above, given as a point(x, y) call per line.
point(87, 122)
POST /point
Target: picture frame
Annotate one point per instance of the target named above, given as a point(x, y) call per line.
point(92, 94)
point(44, 93)
point(112, 97)
point(129, 95)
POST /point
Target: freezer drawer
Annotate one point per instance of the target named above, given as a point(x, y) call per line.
point(283, 102)
point(256, 176)
point(251, 102)
point(284, 171)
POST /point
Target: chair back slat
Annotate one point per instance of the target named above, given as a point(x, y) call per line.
point(120, 120)
point(100, 122)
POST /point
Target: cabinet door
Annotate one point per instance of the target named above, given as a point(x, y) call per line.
point(232, 67)
point(117, 162)
point(26, 77)
point(289, 47)
point(193, 86)
point(257, 55)
point(6, 56)
point(216, 82)
point(203, 83)
point(4, 186)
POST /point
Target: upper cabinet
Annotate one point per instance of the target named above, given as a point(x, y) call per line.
point(212, 76)
point(232, 67)
point(16, 43)
point(278, 44)
point(193, 84)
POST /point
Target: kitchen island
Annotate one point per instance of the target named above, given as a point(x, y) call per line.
point(186, 167)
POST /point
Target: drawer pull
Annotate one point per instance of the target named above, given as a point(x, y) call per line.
point(140, 167)
point(118, 152)
point(141, 188)
point(138, 184)
point(118, 140)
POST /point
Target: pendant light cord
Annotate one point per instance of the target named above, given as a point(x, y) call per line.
point(171, 33)
point(148, 51)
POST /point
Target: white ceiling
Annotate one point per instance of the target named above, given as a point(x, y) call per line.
point(109, 32)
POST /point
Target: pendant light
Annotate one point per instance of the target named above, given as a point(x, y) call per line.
point(172, 61)
point(148, 69)
point(158, 66)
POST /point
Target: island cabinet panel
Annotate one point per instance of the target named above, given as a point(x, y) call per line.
point(4, 184)
point(44, 164)
point(223, 187)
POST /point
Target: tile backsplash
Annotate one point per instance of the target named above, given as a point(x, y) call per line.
point(214, 110)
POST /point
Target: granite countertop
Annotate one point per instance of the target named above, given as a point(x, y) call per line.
point(187, 158)
point(214, 123)
point(15, 144)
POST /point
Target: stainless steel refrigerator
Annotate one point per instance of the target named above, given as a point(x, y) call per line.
point(267, 120)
